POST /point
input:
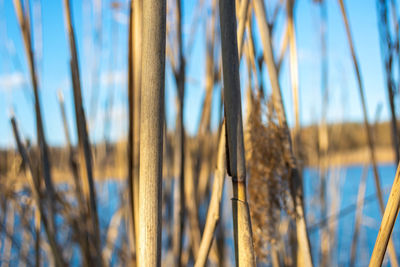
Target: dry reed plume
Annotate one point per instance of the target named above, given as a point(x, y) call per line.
point(268, 175)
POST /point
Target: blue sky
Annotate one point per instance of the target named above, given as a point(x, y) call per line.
point(52, 55)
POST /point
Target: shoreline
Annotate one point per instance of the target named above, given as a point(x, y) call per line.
point(384, 155)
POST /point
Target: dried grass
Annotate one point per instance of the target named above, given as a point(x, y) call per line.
point(267, 162)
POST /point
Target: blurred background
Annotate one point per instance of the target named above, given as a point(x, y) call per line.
point(338, 68)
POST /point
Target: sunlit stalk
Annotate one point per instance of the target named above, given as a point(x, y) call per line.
point(151, 132)
point(387, 224)
point(244, 251)
point(371, 146)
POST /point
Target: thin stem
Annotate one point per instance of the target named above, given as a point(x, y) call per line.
point(371, 146)
point(84, 150)
point(213, 213)
point(179, 185)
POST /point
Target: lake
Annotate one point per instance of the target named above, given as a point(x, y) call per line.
point(342, 182)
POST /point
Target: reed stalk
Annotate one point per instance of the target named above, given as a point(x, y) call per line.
point(137, 80)
point(8, 241)
point(283, 49)
point(242, 20)
point(251, 56)
point(23, 13)
point(191, 202)
point(72, 162)
point(204, 125)
point(83, 239)
point(27, 241)
point(109, 105)
point(357, 224)
point(151, 131)
point(131, 227)
point(134, 87)
point(214, 209)
point(179, 184)
point(84, 150)
point(371, 146)
point(134, 79)
point(112, 235)
point(38, 227)
point(387, 224)
point(304, 251)
point(34, 183)
point(205, 120)
point(244, 251)
point(294, 75)
point(386, 43)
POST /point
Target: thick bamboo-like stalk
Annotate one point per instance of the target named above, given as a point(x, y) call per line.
point(84, 150)
point(179, 184)
point(388, 220)
point(151, 131)
point(244, 250)
point(371, 146)
point(213, 213)
point(297, 191)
